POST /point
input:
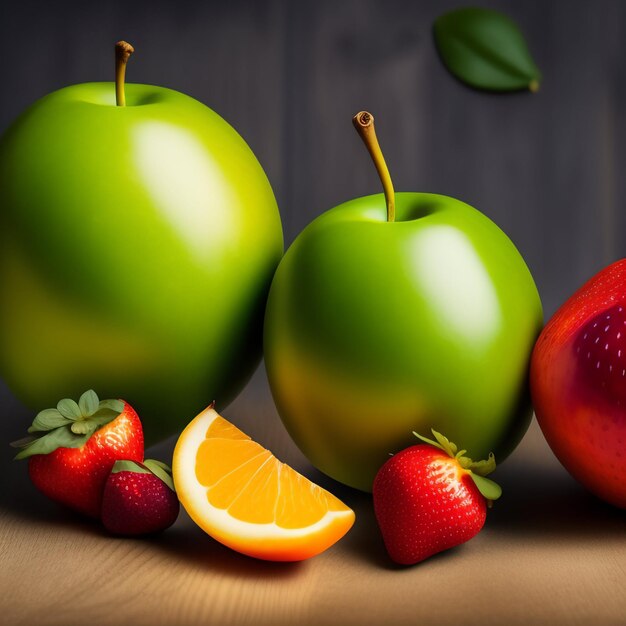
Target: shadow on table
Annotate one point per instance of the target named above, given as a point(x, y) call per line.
point(540, 502)
point(20, 500)
point(544, 504)
point(364, 541)
point(187, 541)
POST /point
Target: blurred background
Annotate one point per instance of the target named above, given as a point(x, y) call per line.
point(546, 167)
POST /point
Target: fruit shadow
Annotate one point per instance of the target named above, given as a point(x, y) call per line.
point(541, 503)
point(547, 504)
point(21, 501)
point(364, 541)
point(187, 541)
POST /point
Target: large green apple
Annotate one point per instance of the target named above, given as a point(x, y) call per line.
point(137, 246)
point(377, 328)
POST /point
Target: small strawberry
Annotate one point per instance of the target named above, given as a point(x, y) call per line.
point(139, 498)
point(72, 449)
point(429, 498)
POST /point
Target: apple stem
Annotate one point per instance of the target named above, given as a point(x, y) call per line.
point(364, 124)
point(123, 50)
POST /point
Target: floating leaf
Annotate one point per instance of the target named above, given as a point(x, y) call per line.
point(486, 50)
point(89, 403)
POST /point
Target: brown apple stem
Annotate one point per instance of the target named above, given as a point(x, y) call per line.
point(123, 50)
point(364, 124)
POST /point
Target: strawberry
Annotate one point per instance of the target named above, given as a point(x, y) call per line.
point(73, 447)
point(139, 498)
point(429, 498)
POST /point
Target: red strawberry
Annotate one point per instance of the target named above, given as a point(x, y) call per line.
point(429, 498)
point(139, 498)
point(73, 448)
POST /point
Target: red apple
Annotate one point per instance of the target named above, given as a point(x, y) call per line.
point(578, 384)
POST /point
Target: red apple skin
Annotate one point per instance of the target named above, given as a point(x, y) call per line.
point(578, 384)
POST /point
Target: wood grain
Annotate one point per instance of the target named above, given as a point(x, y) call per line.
point(549, 553)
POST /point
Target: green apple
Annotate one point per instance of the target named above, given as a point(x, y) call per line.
point(384, 321)
point(138, 239)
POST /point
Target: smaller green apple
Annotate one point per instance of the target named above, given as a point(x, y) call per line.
point(384, 321)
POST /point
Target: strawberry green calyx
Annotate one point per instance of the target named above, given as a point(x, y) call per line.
point(150, 466)
point(69, 425)
point(477, 469)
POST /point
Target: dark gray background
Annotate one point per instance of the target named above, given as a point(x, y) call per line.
point(289, 76)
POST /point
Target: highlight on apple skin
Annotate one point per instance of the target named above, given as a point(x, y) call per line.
point(398, 313)
point(138, 239)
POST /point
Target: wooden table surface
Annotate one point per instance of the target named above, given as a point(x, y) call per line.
point(549, 553)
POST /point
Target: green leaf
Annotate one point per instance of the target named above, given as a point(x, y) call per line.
point(114, 405)
point(149, 466)
point(445, 443)
point(489, 489)
point(23, 442)
point(61, 437)
point(485, 49)
point(104, 416)
point(442, 443)
point(90, 424)
point(427, 440)
point(68, 408)
point(482, 468)
point(69, 425)
point(464, 461)
point(129, 466)
point(88, 403)
point(84, 427)
point(165, 466)
point(162, 471)
point(47, 420)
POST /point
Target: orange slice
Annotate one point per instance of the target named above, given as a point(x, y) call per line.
point(243, 496)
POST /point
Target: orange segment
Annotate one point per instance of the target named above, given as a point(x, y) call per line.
point(244, 497)
point(223, 428)
point(232, 454)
